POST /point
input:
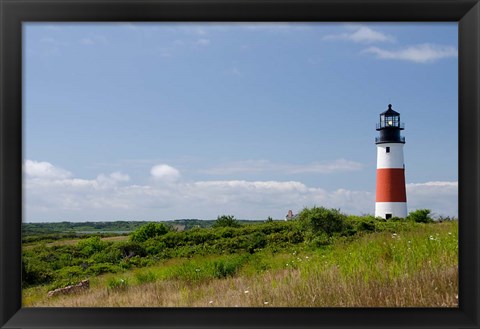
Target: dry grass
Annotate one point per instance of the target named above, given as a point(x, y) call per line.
point(286, 288)
point(408, 269)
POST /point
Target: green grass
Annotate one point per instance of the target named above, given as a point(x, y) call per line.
point(361, 270)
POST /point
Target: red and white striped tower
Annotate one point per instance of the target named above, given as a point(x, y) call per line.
point(391, 198)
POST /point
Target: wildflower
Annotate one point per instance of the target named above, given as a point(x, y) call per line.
point(265, 303)
point(409, 241)
point(306, 257)
point(449, 233)
point(456, 296)
point(210, 302)
point(197, 270)
point(246, 291)
point(431, 237)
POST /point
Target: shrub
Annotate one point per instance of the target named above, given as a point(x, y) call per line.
point(320, 219)
point(154, 246)
point(91, 245)
point(320, 240)
point(112, 254)
point(101, 268)
point(420, 216)
point(71, 272)
point(131, 249)
point(256, 241)
point(35, 272)
point(149, 231)
point(226, 221)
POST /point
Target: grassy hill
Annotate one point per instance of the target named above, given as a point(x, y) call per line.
point(324, 258)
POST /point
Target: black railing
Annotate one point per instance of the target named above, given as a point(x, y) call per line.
point(379, 139)
point(383, 125)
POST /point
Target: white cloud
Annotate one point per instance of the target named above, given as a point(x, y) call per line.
point(60, 196)
point(256, 166)
point(53, 194)
point(440, 197)
point(164, 172)
point(36, 169)
point(111, 180)
point(360, 34)
point(423, 53)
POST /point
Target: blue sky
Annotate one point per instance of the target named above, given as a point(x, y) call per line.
point(161, 121)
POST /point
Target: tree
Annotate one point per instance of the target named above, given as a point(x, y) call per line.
point(148, 231)
point(420, 216)
point(320, 219)
point(226, 221)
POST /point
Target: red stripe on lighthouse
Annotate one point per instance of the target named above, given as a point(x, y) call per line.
point(391, 185)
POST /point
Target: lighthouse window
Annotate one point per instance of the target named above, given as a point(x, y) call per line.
point(388, 149)
point(388, 216)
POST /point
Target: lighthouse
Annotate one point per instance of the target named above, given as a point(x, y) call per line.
point(391, 197)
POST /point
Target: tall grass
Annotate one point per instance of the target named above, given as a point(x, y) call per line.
point(400, 268)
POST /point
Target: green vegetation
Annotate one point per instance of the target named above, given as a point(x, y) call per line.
point(151, 230)
point(421, 216)
point(226, 221)
point(357, 248)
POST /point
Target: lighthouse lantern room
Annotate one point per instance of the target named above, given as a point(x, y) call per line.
point(391, 197)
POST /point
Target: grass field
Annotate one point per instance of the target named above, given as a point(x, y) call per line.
point(412, 265)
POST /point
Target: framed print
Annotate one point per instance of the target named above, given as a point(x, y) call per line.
point(215, 164)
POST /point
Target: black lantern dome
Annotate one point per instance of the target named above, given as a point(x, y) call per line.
point(390, 127)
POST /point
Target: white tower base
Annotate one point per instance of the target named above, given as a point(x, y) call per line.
point(395, 209)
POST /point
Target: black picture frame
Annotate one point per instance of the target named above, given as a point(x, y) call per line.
point(14, 12)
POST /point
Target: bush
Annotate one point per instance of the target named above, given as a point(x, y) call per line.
point(112, 254)
point(420, 216)
point(320, 219)
point(35, 272)
point(320, 240)
point(256, 241)
point(91, 246)
point(226, 221)
point(154, 247)
point(149, 231)
point(101, 268)
point(71, 272)
point(131, 249)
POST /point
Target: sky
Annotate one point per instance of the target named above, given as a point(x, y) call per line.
point(162, 121)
